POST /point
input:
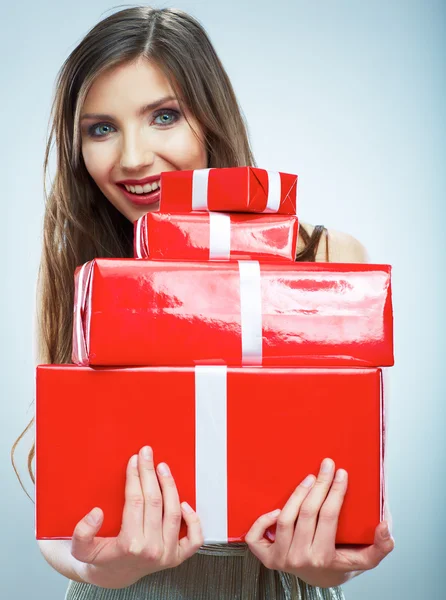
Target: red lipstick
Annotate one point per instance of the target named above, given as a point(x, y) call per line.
point(141, 199)
point(150, 179)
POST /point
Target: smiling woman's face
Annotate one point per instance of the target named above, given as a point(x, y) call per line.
point(121, 143)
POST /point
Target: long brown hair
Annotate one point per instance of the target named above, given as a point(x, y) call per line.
point(80, 223)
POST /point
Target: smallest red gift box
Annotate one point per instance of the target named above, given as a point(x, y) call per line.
point(238, 442)
point(216, 236)
point(234, 189)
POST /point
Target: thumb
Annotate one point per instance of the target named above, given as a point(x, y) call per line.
point(383, 535)
point(382, 546)
point(83, 543)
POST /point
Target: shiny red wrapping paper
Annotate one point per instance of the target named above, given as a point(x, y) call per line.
point(216, 236)
point(134, 312)
point(234, 189)
point(238, 441)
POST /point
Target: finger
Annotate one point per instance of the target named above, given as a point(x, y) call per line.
point(327, 525)
point(194, 538)
point(255, 539)
point(83, 543)
point(309, 510)
point(153, 500)
point(370, 556)
point(132, 514)
point(172, 510)
point(287, 519)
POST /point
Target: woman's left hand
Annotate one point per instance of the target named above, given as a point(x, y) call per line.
point(306, 548)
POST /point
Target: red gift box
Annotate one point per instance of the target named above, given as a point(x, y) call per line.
point(234, 189)
point(134, 312)
point(238, 442)
point(216, 236)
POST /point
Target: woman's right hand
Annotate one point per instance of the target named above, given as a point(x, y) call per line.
point(148, 540)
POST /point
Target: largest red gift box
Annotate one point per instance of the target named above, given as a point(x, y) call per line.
point(234, 189)
point(238, 442)
point(134, 312)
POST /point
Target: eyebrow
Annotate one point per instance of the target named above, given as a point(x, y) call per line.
point(142, 110)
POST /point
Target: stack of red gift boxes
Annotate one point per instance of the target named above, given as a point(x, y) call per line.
point(242, 368)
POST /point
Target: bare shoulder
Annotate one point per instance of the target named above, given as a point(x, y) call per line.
point(342, 247)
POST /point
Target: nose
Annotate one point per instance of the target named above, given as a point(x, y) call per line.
point(136, 152)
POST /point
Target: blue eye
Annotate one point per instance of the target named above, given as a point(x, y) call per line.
point(94, 127)
point(169, 113)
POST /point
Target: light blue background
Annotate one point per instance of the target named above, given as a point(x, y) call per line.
point(349, 95)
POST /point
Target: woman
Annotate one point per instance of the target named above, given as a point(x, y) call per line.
point(143, 93)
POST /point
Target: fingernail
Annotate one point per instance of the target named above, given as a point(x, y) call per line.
point(340, 475)
point(187, 507)
point(93, 517)
point(134, 460)
point(275, 513)
point(147, 452)
point(326, 466)
point(163, 469)
point(386, 532)
point(308, 481)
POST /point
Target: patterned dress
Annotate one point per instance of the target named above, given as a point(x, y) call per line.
point(215, 572)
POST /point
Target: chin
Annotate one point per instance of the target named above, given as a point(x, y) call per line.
point(135, 213)
point(152, 207)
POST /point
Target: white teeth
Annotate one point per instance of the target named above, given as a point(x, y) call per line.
point(143, 189)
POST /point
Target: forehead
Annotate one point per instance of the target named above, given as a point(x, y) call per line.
point(129, 84)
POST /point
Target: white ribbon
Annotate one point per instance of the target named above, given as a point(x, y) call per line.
point(78, 315)
point(200, 180)
point(250, 312)
point(138, 238)
point(90, 294)
point(274, 192)
point(211, 477)
point(83, 286)
point(219, 236)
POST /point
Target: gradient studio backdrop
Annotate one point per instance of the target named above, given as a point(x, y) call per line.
point(349, 95)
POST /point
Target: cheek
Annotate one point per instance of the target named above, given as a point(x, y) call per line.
point(186, 151)
point(96, 160)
